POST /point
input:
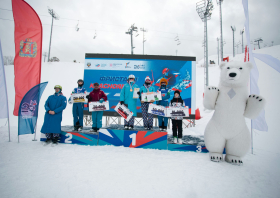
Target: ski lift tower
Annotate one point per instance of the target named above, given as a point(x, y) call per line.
point(204, 9)
point(54, 16)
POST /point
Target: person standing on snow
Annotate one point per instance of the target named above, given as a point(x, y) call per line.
point(165, 95)
point(127, 99)
point(54, 106)
point(177, 101)
point(147, 117)
point(78, 108)
point(96, 95)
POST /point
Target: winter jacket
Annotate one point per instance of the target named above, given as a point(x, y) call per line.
point(96, 94)
point(165, 95)
point(177, 102)
point(127, 97)
point(76, 91)
point(52, 123)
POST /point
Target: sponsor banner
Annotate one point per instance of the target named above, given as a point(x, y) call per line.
point(79, 97)
point(97, 106)
point(177, 111)
point(151, 96)
point(124, 111)
point(103, 64)
point(157, 110)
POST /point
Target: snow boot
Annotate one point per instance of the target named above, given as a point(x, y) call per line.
point(175, 141)
point(80, 128)
point(93, 130)
point(180, 141)
point(130, 127)
point(48, 141)
point(125, 127)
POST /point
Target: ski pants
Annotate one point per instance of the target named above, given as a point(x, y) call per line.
point(162, 121)
point(78, 113)
point(52, 135)
point(130, 122)
point(177, 126)
point(97, 119)
point(147, 117)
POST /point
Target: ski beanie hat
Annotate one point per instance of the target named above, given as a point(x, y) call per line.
point(178, 92)
point(80, 80)
point(147, 79)
point(174, 100)
point(163, 80)
point(96, 84)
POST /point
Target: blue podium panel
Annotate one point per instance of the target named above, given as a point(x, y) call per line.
point(190, 143)
point(187, 147)
point(133, 139)
point(68, 136)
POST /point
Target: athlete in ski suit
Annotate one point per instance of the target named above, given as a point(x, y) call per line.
point(127, 99)
point(147, 117)
point(96, 95)
point(165, 95)
point(177, 101)
point(54, 106)
point(78, 108)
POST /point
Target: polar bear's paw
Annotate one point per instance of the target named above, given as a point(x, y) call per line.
point(254, 106)
point(210, 97)
point(235, 160)
point(216, 157)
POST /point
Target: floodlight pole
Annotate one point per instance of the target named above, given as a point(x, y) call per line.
point(50, 41)
point(233, 30)
point(221, 27)
point(54, 16)
point(130, 31)
point(218, 51)
point(242, 32)
point(204, 10)
point(143, 30)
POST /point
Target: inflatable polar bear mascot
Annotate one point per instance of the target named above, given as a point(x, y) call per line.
point(231, 102)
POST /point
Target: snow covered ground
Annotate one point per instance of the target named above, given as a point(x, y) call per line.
point(28, 169)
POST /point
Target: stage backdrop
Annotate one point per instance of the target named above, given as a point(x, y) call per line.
point(112, 70)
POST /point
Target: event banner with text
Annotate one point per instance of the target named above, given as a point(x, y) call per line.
point(112, 71)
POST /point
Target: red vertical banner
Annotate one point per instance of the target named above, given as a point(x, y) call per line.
point(28, 50)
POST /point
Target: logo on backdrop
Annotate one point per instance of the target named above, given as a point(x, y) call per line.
point(27, 110)
point(127, 65)
point(88, 64)
point(97, 65)
point(28, 48)
point(139, 66)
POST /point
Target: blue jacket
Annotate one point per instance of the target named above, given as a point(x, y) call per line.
point(165, 95)
point(78, 90)
point(127, 97)
point(52, 123)
point(143, 89)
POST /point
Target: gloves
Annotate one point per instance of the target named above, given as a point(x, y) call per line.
point(168, 93)
point(87, 97)
point(152, 101)
point(139, 93)
point(101, 100)
point(69, 102)
point(142, 101)
point(121, 102)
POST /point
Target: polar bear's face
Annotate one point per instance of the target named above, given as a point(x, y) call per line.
point(235, 74)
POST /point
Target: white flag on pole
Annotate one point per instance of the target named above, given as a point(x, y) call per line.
point(3, 88)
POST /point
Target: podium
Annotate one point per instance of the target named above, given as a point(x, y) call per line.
point(68, 136)
point(137, 138)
